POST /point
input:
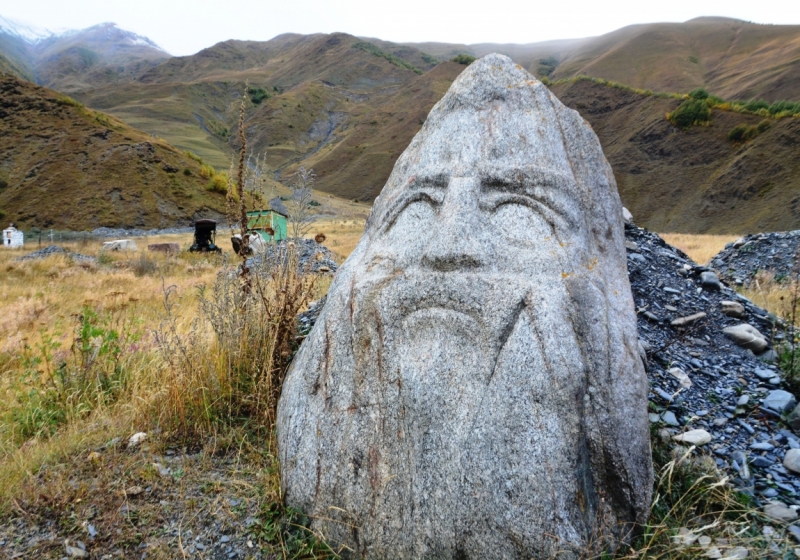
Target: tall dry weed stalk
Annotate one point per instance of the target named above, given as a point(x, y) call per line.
point(230, 365)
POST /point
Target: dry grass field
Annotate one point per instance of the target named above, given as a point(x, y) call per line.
point(90, 355)
point(701, 248)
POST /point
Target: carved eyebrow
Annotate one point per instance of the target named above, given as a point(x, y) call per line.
point(545, 191)
point(523, 178)
point(437, 181)
point(418, 190)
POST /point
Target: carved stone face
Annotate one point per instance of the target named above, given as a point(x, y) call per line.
point(473, 382)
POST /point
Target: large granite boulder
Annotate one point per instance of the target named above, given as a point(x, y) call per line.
point(473, 388)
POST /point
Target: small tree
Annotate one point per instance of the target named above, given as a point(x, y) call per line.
point(299, 204)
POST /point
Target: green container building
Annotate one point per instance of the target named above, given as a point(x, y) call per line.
point(269, 224)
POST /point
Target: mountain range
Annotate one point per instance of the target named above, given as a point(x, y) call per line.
point(347, 106)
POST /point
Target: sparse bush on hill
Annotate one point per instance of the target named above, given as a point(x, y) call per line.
point(66, 100)
point(698, 93)
point(218, 183)
point(257, 95)
point(547, 66)
point(194, 156)
point(754, 105)
point(430, 59)
point(464, 59)
point(207, 171)
point(744, 133)
point(784, 107)
point(689, 113)
point(377, 51)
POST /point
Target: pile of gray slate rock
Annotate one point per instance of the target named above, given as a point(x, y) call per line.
point(774, 252)
point(711, 360)
point(313, 257)
point(55, 250)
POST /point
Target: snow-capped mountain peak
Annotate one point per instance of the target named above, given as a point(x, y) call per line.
point(27, 32)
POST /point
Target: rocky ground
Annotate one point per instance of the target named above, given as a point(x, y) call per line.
point(55, 250)
point(143, 501)
point(313, 257)
point(705, 388)
point(773, 252)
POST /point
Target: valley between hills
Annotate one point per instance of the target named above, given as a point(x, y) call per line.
point(348, 106)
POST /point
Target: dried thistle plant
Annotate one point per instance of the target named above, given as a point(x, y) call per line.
point(299, 204)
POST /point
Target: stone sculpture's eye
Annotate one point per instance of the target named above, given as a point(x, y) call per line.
point(413, 203)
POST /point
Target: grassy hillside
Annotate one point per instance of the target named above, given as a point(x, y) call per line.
point(65, 166)
point(732, 58)
point(303, 88)
point(694, 180)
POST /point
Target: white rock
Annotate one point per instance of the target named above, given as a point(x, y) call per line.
point(136, 439)
point(778, 511)
point(713, 552)
point(682, 377)
point(433, 405)
point(694, 437)
point(119, 245)
point(747, 336)
point(76, 552)
point(685, 537)
point(627, 217)
point(737, 553)
point(792, 460)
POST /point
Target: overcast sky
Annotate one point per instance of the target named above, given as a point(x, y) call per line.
point(184, 27)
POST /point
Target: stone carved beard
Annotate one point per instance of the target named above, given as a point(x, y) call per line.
point(439, 341)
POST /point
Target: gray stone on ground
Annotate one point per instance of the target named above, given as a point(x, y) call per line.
point(794, 419)
point(732, 309)
point(792, 460)
point(780, 401)
point(688, 320)
point(710, 281)
point(747, 336)
point(778, 511)
point(473, 382)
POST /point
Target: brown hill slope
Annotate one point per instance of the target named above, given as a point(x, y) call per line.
point(695, 180)
point(63, 166)
point(731, 58)
point(307, 83)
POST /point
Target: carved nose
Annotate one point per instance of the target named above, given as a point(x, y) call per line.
point(454, 242)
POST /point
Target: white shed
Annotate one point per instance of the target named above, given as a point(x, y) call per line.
point(12, 237)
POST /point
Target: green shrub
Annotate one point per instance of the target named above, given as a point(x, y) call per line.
point(742, 133)
point(187, 171)
point(755, 104)
point(698, 93)
point(690, 112)
point(65, 100)
point(377, 51)
point(738, 133)
point(464, 59)
point(257, 95)
point(430, 59)
point(194, 156)
point(784, 106)
point(546, 66)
